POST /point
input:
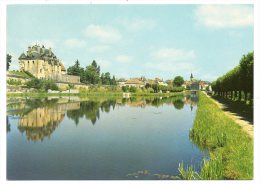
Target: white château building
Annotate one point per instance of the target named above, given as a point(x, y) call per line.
point(44, 64)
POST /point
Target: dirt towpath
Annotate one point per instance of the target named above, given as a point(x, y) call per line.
point(245, 125)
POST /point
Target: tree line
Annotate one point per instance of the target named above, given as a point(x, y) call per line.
point(91, 74)
point(237, 82)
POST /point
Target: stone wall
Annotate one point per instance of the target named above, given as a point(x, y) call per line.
point(65, 86)
point(65, 78)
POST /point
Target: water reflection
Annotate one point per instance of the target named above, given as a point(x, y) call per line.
point(113, 138)
point(192, 100)
point(39, 118)
point(8, 126)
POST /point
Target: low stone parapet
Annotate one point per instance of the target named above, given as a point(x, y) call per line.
point(74, 91)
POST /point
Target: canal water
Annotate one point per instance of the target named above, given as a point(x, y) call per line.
point(97, 138)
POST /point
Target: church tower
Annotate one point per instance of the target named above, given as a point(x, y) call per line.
point(191, 77)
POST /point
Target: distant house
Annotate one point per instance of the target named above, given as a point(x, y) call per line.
point(195, 85)
point(149, 81)
point(134, 82)
point(160, 82)
point(121, 82)
point(169, 82)
point(186, 84)
point(204, 85)
point(141, 82)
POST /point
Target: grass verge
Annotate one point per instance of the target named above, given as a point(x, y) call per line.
point(231, 149)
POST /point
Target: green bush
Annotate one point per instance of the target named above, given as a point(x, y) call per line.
point(34, 83)
point(49, 84)
point(14, 82)
point(125, 88)
point(42, 84)
point(133, 89)
point(150, 90)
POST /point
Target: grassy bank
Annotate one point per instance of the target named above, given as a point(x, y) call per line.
point(231, 150)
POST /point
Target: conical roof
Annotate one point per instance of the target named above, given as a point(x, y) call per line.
point(22, 56)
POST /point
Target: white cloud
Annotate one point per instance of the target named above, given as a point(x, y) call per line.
point(176, 61)
point(172, 67)
point(137, 24)
point(123, 59)
point(104, 64)
point(209, 77)
point(99, 48)
point(104, 34)
point(75, 43)
point(173, 54)
point(224, 16)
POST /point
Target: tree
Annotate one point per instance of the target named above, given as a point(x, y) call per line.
point(237, 81)
point(178, 81)
point(102, 78)
point(75, 69)
point(106, 79)
point(92, 73)
point(155, 87)
point(148, 85)
point(94, 63)
point(247, 72)
point(77, 65)
point(8, 61)
point(92, 76)
point(113, 80)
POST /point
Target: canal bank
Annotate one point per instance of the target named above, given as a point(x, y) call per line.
point(231, 149)
point(245, 125)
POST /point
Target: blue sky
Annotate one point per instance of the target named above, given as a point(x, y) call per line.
point(137, 40)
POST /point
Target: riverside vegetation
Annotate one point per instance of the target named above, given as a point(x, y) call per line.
point(237, 84)
point(230, 149)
